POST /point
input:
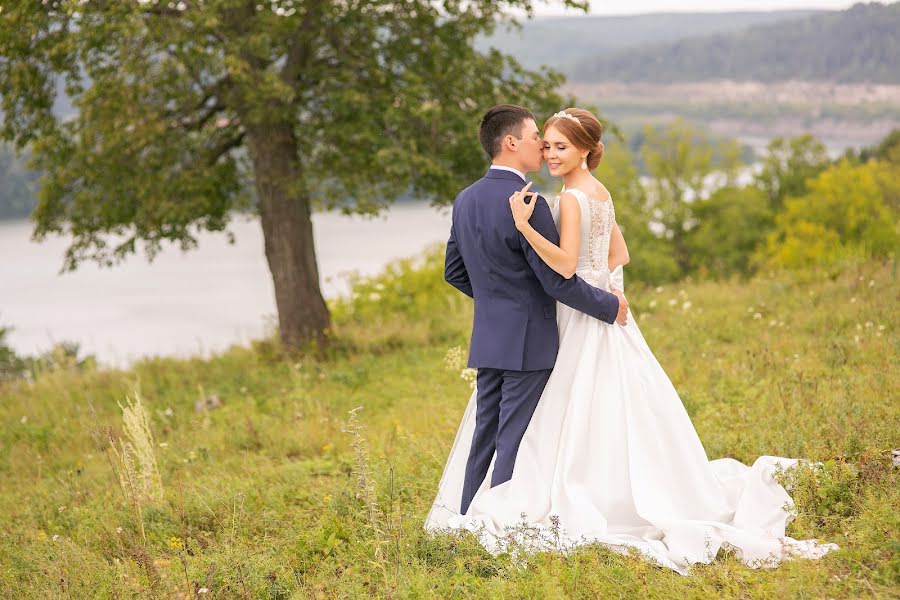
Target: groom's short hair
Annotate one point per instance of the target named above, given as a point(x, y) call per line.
point(500, 121)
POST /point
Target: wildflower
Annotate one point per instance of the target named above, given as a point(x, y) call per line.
point(203, 590)
point(773, 323)
point(673, 302)
point(374, 296)
point(164, 444)
point(868, 324)
point(853, 300)
point(757, 316)
point(327, 498)
point(750, 309)
point(685, 306)
point(24, 419)
point(856, 338)
point(326, 447)
point(871, 283)
point(175, 543)
point(119, 530)
point(62, 508)
point(858, 327)
point(659, 289)
point(169, 412)
point(55, 537)
point(881, 328)
point(653, 304)
point(469, 375)
point(796, 356)
point(454, 358)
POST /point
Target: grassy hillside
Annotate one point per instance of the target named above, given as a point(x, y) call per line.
point(861, 44)
point(563, 42)
point(270, 490)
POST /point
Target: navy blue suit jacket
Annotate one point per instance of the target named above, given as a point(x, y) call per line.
point(514, 290)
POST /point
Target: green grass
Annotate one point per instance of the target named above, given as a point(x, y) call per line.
point(262, 495)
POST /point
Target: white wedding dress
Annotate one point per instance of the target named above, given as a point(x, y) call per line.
point(611, 456)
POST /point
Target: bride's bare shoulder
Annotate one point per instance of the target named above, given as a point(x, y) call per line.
point(599, 191)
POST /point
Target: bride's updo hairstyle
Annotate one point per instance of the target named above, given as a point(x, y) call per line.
point(585, 133)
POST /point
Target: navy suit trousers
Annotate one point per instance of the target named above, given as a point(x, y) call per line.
point(506, 400)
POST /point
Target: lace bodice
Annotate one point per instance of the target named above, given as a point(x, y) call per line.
point(597, 220)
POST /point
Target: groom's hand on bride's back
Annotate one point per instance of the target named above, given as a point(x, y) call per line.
point(622, 316)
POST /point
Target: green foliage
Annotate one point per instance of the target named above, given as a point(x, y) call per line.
point(650, 255)
point(888, 150)
point(823, 47)
point(850, 210)
point(680, 160)
point(284, 517)
point(12, 366)
point(174, 101)
point(63, 356)
point(731, 224)
point(405, 304)
point(17, 192)
point(787, 165)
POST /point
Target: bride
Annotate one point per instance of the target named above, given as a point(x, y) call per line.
point(610, 455)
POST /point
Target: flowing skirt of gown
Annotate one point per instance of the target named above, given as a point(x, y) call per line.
point(611, 457)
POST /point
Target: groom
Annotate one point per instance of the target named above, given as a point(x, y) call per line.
point(514, 335)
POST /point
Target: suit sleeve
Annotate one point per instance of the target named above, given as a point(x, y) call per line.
point(572, 292)
point(455, 269)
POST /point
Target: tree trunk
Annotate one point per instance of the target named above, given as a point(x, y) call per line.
point(287, 229)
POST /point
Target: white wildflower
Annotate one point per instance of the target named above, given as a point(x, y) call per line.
point(653, 304)
point(169, 412)
point(24, 419)
point(673, 302)
point(757, 316)
point(685, 306)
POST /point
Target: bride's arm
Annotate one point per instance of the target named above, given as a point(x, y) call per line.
point(618, 251)
point(563, 258)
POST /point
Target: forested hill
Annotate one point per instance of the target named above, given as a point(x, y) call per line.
point(563, 42)
point(860, 44)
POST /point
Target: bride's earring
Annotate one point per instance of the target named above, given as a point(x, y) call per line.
point(583, 164)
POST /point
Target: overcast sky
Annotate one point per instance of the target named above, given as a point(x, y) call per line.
point(630, 7)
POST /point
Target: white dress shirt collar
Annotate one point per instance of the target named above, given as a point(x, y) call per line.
point(511, 170)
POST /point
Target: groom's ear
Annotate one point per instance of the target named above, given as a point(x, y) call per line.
point(510, 142)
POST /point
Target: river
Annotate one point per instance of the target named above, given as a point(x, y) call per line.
point(185, 303)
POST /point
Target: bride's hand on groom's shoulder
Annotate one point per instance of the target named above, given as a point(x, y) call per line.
point(522, 210)
point(622, 316)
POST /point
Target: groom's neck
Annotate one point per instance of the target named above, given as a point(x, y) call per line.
point(500, 162)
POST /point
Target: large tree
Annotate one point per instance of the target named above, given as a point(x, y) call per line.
point(188, 110)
